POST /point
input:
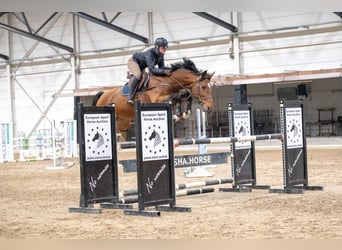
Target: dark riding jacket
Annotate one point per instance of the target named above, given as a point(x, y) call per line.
point(149, 59)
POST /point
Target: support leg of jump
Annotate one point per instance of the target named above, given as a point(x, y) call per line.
point(142, 213)
point(88, 210)
point(296, 189)
point(287, 190)
point(111, 205)
point(252, 186)
point(238, 189)
point(313, 188)
point(173, 208)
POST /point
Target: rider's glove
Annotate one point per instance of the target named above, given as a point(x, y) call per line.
point(167, 72)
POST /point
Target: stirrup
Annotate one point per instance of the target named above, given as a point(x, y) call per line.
point(130, 97)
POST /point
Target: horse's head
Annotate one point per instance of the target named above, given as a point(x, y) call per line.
point(187, 76)
point(202, 90)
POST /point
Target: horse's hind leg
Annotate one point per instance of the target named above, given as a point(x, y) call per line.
point(122, 124)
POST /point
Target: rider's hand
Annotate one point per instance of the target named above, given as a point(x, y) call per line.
point(167, 72)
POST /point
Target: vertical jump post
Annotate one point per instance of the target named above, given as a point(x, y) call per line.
point(98, 158)
point(155, 159)
point(294, 148)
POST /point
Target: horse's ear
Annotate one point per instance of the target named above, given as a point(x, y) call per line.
point(212, 74)
point(204, 73)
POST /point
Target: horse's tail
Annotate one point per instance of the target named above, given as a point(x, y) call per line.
point(97, 97)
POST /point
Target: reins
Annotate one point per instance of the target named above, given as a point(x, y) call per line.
point(197, 81)
point(180, 84)
point(200, 99)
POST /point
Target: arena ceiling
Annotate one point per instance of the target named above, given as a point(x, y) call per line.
point(108, 21)
point(101, 19)
point(105, 21)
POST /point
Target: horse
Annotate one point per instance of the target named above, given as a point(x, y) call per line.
point(184, 76)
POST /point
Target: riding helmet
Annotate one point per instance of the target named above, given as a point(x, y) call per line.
point(161, 42)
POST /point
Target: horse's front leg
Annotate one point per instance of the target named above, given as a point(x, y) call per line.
point(178, 112)
point(177, 103)
point(187, 113)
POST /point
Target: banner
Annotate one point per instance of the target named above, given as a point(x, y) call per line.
point(6, 145)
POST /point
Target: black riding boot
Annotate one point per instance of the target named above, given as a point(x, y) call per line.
point(130, 97)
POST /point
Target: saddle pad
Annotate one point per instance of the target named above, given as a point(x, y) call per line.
point(125, 90)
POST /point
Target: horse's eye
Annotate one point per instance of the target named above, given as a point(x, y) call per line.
point(204, 86)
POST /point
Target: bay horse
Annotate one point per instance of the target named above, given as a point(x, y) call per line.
point(184, 76)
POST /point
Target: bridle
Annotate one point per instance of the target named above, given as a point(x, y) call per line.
point(198, 94)
point(200, 99)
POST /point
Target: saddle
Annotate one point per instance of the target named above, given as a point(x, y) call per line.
point(141, 86)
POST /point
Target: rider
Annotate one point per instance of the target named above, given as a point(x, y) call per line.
point(147, 59)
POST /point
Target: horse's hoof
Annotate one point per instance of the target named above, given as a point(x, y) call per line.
point(186, 115)
point(176, 118)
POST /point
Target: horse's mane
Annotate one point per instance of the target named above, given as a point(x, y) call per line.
point(186, 64)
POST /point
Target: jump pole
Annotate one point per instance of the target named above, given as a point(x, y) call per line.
point(178, 194)
point(182, 186)
point(203, 183)
point(220, 140)
point(249, 175)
